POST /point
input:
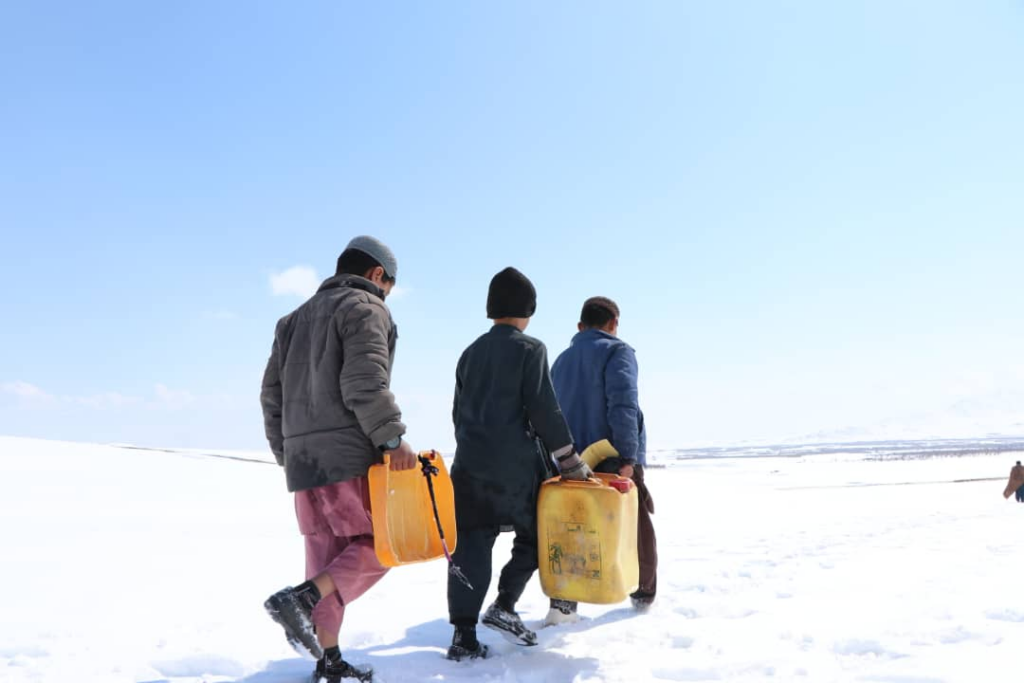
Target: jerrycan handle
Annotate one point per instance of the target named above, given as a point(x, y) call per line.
point(620, 484)
point(429, 455)
point(590, 482)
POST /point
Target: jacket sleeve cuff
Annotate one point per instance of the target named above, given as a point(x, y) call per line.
point(568, 461)
point(562, 452)
point(387, 432)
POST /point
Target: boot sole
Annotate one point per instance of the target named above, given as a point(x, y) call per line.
point(479, 654)
point(643, 605)
point(511, 637)
point(365, 676)
point(297, 636)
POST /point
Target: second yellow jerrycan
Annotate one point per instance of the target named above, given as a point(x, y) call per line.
point(587, 539)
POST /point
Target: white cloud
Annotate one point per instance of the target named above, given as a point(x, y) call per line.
point(173, 398)
point(163, 397)
point(398, 292)
point(100, 401)
point(25, 390)
point(108, 399)
point(301, 281)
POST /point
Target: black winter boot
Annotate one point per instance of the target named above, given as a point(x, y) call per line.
point(508, 624)
point(641, 601)
point(292, 608)
point(331, 668)
point(465, 645)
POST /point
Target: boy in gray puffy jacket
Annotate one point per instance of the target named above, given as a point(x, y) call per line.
point(329, 416)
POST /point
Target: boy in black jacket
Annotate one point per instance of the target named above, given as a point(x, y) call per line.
point(504, 405)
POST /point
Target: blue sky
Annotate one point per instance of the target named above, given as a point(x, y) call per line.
point(811, 214)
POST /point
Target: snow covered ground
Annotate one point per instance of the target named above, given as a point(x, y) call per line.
point(135, 565)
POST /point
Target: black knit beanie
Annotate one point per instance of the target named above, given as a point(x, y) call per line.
point(511, 295)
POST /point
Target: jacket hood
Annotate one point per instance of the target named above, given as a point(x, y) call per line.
point(355, 281)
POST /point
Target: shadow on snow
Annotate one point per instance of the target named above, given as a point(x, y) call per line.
point(420, 655)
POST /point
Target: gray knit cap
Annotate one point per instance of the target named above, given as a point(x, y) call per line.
point(378, 251)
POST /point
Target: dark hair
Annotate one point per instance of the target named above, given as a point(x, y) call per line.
point(598, 311)
point(356, 262)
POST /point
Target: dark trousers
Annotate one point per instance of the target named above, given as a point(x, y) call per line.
point(646, 541)
point(473, 555)
point(1020, 495)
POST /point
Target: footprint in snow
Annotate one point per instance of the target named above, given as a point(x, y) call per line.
point(673, 674)
point(1005, 615)
point(28, 651)
point(863, 648)
point(900, 679)
point(682, 642)
point(200, 666)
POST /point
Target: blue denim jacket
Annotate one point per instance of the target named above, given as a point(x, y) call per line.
point(596, 383)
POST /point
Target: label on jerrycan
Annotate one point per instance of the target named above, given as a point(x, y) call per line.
point(575, 548)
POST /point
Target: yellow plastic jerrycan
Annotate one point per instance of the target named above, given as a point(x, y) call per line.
point(404, 528)
point(587, 539)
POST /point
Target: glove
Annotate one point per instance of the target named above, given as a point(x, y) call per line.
point(573, 468)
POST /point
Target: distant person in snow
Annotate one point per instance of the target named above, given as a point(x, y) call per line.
point(329, 416)
point(596, 383)
point(507, 420)
point(1016, 483)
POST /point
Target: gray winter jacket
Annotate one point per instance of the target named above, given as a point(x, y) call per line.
point(326, 400)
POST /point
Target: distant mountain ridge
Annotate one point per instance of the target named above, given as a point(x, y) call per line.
point(896, 449)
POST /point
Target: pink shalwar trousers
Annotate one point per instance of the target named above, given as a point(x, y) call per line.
point(335, 520)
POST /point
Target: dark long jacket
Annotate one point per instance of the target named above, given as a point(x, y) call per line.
point(504, 405)
point(596, 382)
point(326, 400)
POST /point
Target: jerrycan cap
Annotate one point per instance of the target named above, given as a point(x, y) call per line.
point(621, 484)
